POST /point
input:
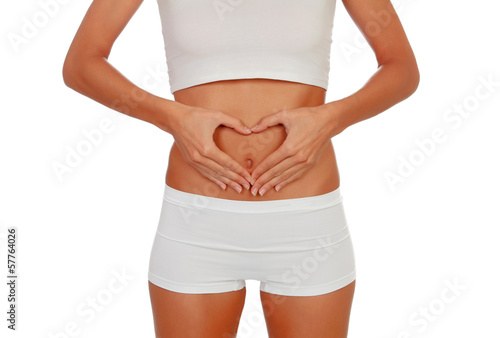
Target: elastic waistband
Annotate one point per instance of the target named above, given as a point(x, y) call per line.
point(186, 199)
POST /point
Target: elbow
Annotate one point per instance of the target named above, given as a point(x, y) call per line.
point(413, 78)
point(69, 71)
point(76, 68)
point(73, 69)
point(410, 78)
point(412, 73)
point(405, 73)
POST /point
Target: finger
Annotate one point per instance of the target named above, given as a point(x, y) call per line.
point(279, 185)
point(277, 174)
point(233, 184)
point(209, 174)
point(221, 173)
point(216, 174)
point(267, 121)
point(233, 168)
point(235, 123)
point(197, 161)
point(226, 169)
point(270, 161)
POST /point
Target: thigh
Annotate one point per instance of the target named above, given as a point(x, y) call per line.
point(210, 315)
point(321, 316)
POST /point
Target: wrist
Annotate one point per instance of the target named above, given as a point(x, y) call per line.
point(168, 112)
point(332, 117)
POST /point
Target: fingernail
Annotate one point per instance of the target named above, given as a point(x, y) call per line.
point(248, 178)
point(247, 129)
point(252, 182)
point(254, 192)
point(254, 127)
point(262, 191)
point(247, 186)
point(238, 189)
point(222, 186)
point(278, 187)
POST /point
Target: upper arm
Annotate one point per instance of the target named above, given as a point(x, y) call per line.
point(382, 29)
point(100, 27)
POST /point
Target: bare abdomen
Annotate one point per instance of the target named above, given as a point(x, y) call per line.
point(250, 100)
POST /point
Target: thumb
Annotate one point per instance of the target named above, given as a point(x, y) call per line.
point(266, 121)
point(236, 124)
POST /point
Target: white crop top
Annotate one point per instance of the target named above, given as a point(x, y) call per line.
point(212, 40)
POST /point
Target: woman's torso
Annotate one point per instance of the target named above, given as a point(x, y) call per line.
point(250, 100)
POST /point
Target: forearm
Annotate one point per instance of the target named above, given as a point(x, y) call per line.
point(392, 83)
point(97, 79)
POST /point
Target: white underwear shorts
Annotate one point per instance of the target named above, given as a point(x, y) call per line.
point(294, 247)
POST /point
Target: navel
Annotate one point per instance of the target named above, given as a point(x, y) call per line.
point(249, 163)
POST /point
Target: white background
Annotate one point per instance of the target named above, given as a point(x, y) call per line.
point(76, 231)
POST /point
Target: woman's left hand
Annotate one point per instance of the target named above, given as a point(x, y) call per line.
point(309, 131)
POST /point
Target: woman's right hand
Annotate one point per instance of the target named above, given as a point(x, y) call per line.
point(193, 130)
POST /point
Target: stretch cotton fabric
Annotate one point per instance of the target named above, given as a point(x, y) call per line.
point(294, 247)
point(213, 40)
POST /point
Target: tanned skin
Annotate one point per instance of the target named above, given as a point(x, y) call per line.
point(213, 155)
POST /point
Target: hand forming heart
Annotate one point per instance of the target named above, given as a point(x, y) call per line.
point(309, 129)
